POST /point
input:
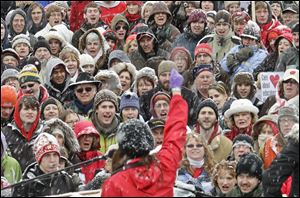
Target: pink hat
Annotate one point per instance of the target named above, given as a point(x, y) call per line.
point(43, 144)
point(85, 127)
point(203, 48)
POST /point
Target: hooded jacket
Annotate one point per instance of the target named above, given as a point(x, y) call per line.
point(32, 27)
point(43, 94)
point(12, 33)
point(20, 143)
point(117, 19)
point(63, 96)
point(5, 42)
point(159, 177)
point(101, 62)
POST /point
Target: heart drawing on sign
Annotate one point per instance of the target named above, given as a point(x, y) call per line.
point(274, 79)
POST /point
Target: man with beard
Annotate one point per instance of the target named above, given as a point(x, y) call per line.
point(164, 70)
point(30, 83)
point(208, 126)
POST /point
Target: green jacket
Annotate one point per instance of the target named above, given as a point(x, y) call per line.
point(236, 192)
point(11, 169)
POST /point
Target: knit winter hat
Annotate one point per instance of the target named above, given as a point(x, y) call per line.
point(54, 101)
point(241, 105)
point(156, 97)
point(86, 59)
point(41, 43)
point(223, 16)
point(166, 66)
point(156, 123)
point(43, 144)
point(203, 48)
point(8, 96)
point(211, 14)
point(29, 73)
point(182, 50)
point(10, 52)
point(9, 73)
point(135, 138)
point(84, 127)
point(106, 95)
point(118, 54)
point(110, 80)
point(240, 16)
point(288, 111)
point(197, 15)
point(243, 139)
point(201, 68)
point(129, 99)
point(146, 71)
point(208, 103)
point(250, 163)
point(21, 38)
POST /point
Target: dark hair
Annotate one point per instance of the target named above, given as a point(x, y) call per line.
point(68, 112)
point(131, 77)
point(29, 101)
point(91, 5)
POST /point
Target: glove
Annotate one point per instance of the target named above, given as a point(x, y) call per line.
point(244, 54)
point(232, 62)
point(176, 80)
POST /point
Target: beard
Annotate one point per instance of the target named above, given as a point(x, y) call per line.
point(207, 126)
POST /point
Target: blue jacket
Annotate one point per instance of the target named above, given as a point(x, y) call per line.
point(246, 66)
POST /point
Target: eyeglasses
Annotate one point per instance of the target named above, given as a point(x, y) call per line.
point(87, 89)
point(123, 27)
point(28, 85)
point(193, 146)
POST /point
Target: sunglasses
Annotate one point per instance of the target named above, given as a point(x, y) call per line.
point(123, 27)
point(193, 146)
point(28, 85)
point(87, 89)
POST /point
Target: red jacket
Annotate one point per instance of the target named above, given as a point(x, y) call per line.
point(265, 29)
point(107, 14)
point(76, 15)
point(159, 178)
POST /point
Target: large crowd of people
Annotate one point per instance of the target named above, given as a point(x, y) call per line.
point(146, 94)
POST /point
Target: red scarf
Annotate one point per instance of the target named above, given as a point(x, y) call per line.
point(197, 172)
point(132, 17)
point(236, 131)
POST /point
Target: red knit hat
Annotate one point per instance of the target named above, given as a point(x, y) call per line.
point(8, 96)
point(203, 48)
point(197, 15)
point(85, 127)
point(139, 3)
point(131, 38)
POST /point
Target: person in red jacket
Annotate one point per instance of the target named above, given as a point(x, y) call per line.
point(109, 9)
point(76, 15)
point(89, 142)
point(135, 172)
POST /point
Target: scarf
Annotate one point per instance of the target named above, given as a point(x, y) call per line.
point(196, 163)
point(236, 131)
point(132, 17)
point(104, 131)
point(84, 108)
point(59, 87)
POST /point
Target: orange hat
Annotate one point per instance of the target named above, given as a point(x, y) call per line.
point(8, 96)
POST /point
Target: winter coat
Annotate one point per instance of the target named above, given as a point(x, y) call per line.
point(5, 42)
point(32, 27)
point(79, 108)
point(287, 161)
point(158, 179)
point(107, 135)
point(203, 181)
point(44, 31)
point(246, 66)
point(43, 94)
point(109, 11)
point(64, 96)
point(117, 19)
point(83, 29)
point(190, 97)
point(58, 184)
point(133, 20)
point(221, 45)
point(236, 192)
point(188, 40)
point(287, 58)
point(101, 62)
point(267, 65)
point(76, 15)
point(12, 33)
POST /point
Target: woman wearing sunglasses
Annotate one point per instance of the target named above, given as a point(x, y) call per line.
point(120, 26)
point(197, 164)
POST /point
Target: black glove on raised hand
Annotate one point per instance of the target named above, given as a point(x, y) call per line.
point(244, 54)
point(232, 62)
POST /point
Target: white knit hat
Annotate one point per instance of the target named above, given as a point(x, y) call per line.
point(86, 59)
point(21, 38)
point(241, 105)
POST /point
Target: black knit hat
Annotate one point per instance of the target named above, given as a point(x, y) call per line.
point(208, 103)
point(41, 43)
point(250, 163)
point(135, 138)
point(243, 139)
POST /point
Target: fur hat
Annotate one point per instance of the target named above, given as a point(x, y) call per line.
point(156, 123)
point(55, 35)
point(86, 59)
point(106, 95)
point(203, 48)
point(201, 68)
point(21, 38)
point(9, 73)
point(129, 99)
point(250, 163)
point(166, 66)
point(135, 138)
point(241, 105)
point(125, 66)
point(223, 16)
point(29, 73)
point(110, 80)
point(42, 42)
point(43, 144)
point(243, 139)
point(146, 71)
point(70, 141)
point(8, 96)
point(244, 78)
point(197, 15)
point(208, 103)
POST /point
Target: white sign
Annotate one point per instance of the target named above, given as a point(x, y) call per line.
point(269, 81)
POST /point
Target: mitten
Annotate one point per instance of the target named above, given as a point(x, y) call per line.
point(176, 80)
point(244, 54)
point(232, 62)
